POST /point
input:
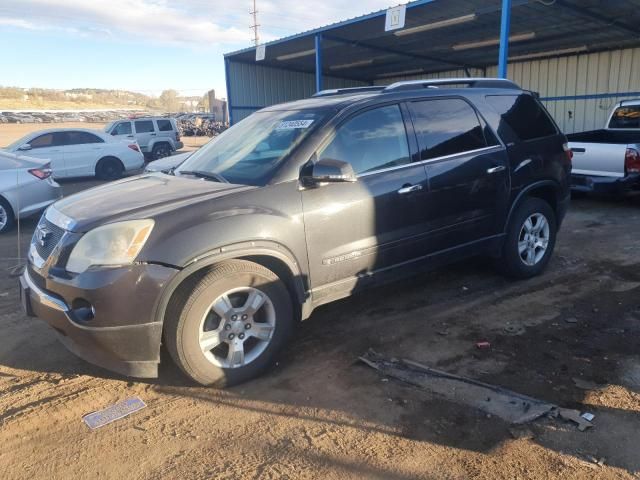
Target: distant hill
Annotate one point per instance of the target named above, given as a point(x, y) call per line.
point(16, 98)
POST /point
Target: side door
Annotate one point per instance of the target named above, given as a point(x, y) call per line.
point(145, 132)
point(468, 172)
point(82, 150)
point(122, 129)
point(355, 230)
point(49, 146)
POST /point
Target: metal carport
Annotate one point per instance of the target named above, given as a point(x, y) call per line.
point(443, 38)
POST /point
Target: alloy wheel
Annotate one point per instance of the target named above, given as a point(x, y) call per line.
point(4, 217)
point(237, 327)
point(533, 240)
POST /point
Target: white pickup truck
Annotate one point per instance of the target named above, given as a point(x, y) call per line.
point(608, 160)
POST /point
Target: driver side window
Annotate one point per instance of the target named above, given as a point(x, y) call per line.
point(373, 140)
point(123, 128)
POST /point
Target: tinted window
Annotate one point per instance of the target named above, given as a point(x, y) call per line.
point(523, 118)
point(144, 126)
point(372, 140)
point(42, 141)
point(123, 128)
point(79, 138)
point(446, 127)
point(626, 117)
point(164, 125)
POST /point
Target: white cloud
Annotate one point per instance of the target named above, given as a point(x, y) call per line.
point(195, 23)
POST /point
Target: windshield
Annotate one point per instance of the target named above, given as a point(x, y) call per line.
point(109, 126)
point(249, 152)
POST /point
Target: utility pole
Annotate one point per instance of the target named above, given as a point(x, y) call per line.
point(254, 27)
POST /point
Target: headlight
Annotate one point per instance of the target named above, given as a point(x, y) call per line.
point(113, 244)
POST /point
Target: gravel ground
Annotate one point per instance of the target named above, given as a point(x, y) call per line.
point(321, 414)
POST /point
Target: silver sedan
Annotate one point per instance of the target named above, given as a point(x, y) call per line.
point(26, 188)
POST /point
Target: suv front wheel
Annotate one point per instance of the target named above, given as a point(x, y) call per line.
point(228, 326)
point(531, 238)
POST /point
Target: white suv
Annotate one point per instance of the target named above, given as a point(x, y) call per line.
point(157, 137)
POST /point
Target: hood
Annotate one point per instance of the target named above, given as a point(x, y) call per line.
point(144, 196)
point(167, 163)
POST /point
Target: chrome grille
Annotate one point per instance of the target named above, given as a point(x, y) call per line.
point(46, 237)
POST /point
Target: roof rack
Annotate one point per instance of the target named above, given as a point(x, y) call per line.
point(437, 82)
point(343, 91)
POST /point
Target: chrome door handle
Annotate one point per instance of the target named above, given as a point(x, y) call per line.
point(499, 168)
point(410, 189)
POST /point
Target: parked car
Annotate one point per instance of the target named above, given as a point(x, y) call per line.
point(158, 137)
point(608, 160)
point(296, 206)
point(26, 188)
point(77, 152)
point(167, 164)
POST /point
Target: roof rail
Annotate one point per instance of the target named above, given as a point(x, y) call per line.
point(343, 91)
point(436, 82)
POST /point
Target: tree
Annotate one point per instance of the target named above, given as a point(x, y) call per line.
point(169, 100)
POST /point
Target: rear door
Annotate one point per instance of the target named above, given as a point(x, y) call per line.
point(165, 129)
point(145, 132)
point(357, 229)
point(49, 146)
point(82, 150)
point(467, 169)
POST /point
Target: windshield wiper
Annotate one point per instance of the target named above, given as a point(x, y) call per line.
point(215, 177)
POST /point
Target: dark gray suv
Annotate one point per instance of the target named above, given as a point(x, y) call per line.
point(297, 205)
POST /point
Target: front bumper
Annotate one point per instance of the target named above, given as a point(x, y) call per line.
point(605, 185)
point(120, 333)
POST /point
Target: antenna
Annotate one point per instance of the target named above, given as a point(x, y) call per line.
point(254, 27)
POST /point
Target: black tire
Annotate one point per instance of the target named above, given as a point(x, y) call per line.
point(511, 262)
point(190, 310)
point(109, 168)
point(7, 218)
point(161, 150)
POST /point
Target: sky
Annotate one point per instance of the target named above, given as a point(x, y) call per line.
point(146, 45)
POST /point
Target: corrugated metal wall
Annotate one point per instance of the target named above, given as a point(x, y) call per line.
point(254, 86)
point(563, 83)
point(606, 78)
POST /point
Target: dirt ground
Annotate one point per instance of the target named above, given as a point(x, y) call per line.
point(9, 132)
point(321, 414)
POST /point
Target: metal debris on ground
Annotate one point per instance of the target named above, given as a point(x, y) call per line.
point(571, 320)
point(510, 406)
point(483, 345)
point(114, 412)
point(514, 330)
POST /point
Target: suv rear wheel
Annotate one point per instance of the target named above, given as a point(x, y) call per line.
point(161, 150)
point(530, 241)
point(228, 326)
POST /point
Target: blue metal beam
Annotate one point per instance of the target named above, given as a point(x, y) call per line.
point(228, 80)
point(318, 62)
point(505, 26)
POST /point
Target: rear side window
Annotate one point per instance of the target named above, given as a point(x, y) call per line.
point(164, 125)
point(79, 138)
point(447, 127)
point(626, 117)
point(523, 118)
point(123, 128)
point(144, 126)
point(372, 140)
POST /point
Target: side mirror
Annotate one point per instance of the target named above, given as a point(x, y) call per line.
point(25, 147)
point(329, 170)
point(114, 133)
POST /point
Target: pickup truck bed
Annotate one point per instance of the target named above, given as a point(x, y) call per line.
point(599, 161)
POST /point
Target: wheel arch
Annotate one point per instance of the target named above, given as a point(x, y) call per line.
point(282, 264)
point(547, 190)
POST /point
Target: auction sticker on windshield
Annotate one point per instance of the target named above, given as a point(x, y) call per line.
point(294, 124)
